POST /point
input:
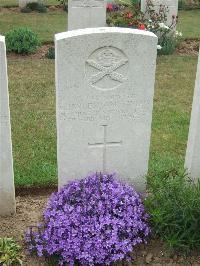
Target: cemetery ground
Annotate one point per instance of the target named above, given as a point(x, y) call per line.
point(32, 104)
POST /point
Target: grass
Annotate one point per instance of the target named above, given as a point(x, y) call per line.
point(13, 3)
point(172, 106)
point(32, 100)
point(46, 25)
point(189, 22)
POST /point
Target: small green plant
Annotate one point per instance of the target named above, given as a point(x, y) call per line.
point(64, 3)
point(169, 42)
point(10, 252)
point(50, 53)
point(181, 4)
point(22, 41)
point(173, 204)
point(35, 6)
point(26, 10)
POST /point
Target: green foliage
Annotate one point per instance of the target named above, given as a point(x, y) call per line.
point(181, 4)
point(168, 43)
point(51, 53)
point(151, 20)
point(173, 204)
point(10, 252)
point(22, 41)
point(135, 2)
point(35, 6)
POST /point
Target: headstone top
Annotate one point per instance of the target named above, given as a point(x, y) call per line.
point(172, 8)
point(100, 30)
point(87, 3)
point(86, 14)
point(2, 38)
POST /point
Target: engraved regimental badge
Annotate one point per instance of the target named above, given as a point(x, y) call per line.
point(107, 68)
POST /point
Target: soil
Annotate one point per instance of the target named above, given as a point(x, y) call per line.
point(40, 54)
point(188, 47)
point(29, 212)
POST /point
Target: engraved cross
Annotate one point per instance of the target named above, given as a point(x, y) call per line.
point(104, 146)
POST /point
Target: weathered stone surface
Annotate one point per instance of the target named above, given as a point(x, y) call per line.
point(172, 5)
point(86, 14)
point(7, 193)
point(23, 3)
point(105, 87)
point(192, 160)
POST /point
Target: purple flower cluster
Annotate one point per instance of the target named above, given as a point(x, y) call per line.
point(94, 221)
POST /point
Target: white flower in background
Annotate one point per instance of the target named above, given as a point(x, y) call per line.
point(159, 47)
point(163, 26)
point(179, 33)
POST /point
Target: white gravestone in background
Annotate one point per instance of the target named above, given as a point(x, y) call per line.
point(7, 192)
point(192, 160)
point(86, 14)
point(105, 87)
point(171, 4)
point(23, 3)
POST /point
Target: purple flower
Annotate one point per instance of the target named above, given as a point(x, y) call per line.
point(94, 221)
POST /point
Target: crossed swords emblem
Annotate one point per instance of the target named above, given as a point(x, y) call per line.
point(107, 70)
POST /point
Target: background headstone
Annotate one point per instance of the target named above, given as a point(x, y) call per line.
point(105, 88)
point(171, 4)
point(7, 192)
point(86, 14)
point(23, 3)
point(192, 160)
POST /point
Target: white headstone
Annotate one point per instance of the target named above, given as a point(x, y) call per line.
point(105, 87)
point(86, 14)
point(192, 160)
point(23, 3)
point(7, 192)
point(171, 4)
